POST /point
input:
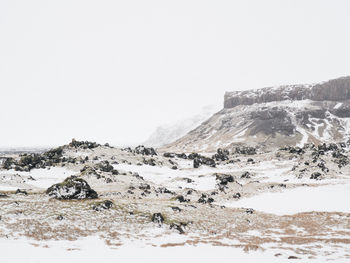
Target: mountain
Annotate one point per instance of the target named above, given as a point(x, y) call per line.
point(273, 117)
point(169, 133)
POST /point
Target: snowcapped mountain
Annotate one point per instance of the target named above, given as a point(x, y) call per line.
point(274, 117)
point(171, 132)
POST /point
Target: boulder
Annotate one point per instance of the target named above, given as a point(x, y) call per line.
point(158, 218)
point(316, 176)
point(144, 150)
point(177, 227)
point(199, 160)
point(181, 199)
point(105, 167)
point(224, 178)
point(246, 175)
point(205, 199)
point(104, 205)
point(72, 188)
point(221, 155)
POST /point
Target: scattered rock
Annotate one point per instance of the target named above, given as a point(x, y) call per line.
point(236, 196)
point(221, 155)
point(163, 190)
point(177, 227)
point(249, 210)
point(105, 166)
point(316, 176)
point(205, 199)
point(158, 218)
point(199, 160)
point(83, 145)
point(246, 150)
point(3, 195)
point(246, 175)
point(250, 160)
point(144, 186)
point(175, 208)
point(21, 192)
point(144, 151)
point(181, 199)
point(293, 257)
point(104, 205)
point(224, 179)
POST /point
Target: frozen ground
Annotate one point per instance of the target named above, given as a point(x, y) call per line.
point(289, 215)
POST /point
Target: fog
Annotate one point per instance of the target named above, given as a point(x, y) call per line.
point(112, 71)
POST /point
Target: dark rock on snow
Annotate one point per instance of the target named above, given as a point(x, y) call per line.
point(105, 205)
point(72, 188)
point(158, 218)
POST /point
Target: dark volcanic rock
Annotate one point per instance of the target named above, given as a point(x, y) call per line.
point(144, 186)
point(72, 188)
point(158, 218)
point(246, 150)
point(181, 199)
point(177, 227)
point(221, 155)
point(21, 192)
point(246, 175)
point(205, 199)
point(316, 176)
point(145, 151)
point(3, 195)
point(105, 166)
point(83, 144)
point(199, 160)
point(163, 190)
point(236, 196)
point(175, 208)
point(224, 179)
point(104, 205)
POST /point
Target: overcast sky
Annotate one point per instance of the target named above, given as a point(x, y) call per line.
point(112, 71)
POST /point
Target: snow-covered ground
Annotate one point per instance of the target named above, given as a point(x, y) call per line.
point(43, 178)
point(328, 198)
point(93, 249)
point(173, 179)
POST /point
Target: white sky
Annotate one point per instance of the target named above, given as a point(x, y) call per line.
point(111, 71)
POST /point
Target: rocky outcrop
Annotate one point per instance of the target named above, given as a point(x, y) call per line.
point(83, 144)
point(29, 161)
point(72, 188)
point(144, 150)
point(332, 90)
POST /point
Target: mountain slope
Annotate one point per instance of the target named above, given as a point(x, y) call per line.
point(169, 133)
point(274, 117)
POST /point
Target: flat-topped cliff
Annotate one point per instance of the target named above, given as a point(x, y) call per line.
point(332, 90)
point(275, 117)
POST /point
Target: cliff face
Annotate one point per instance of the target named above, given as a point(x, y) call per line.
point(275, 117)
point(332, 90)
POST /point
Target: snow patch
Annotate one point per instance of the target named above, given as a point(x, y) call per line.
point(329, 198)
